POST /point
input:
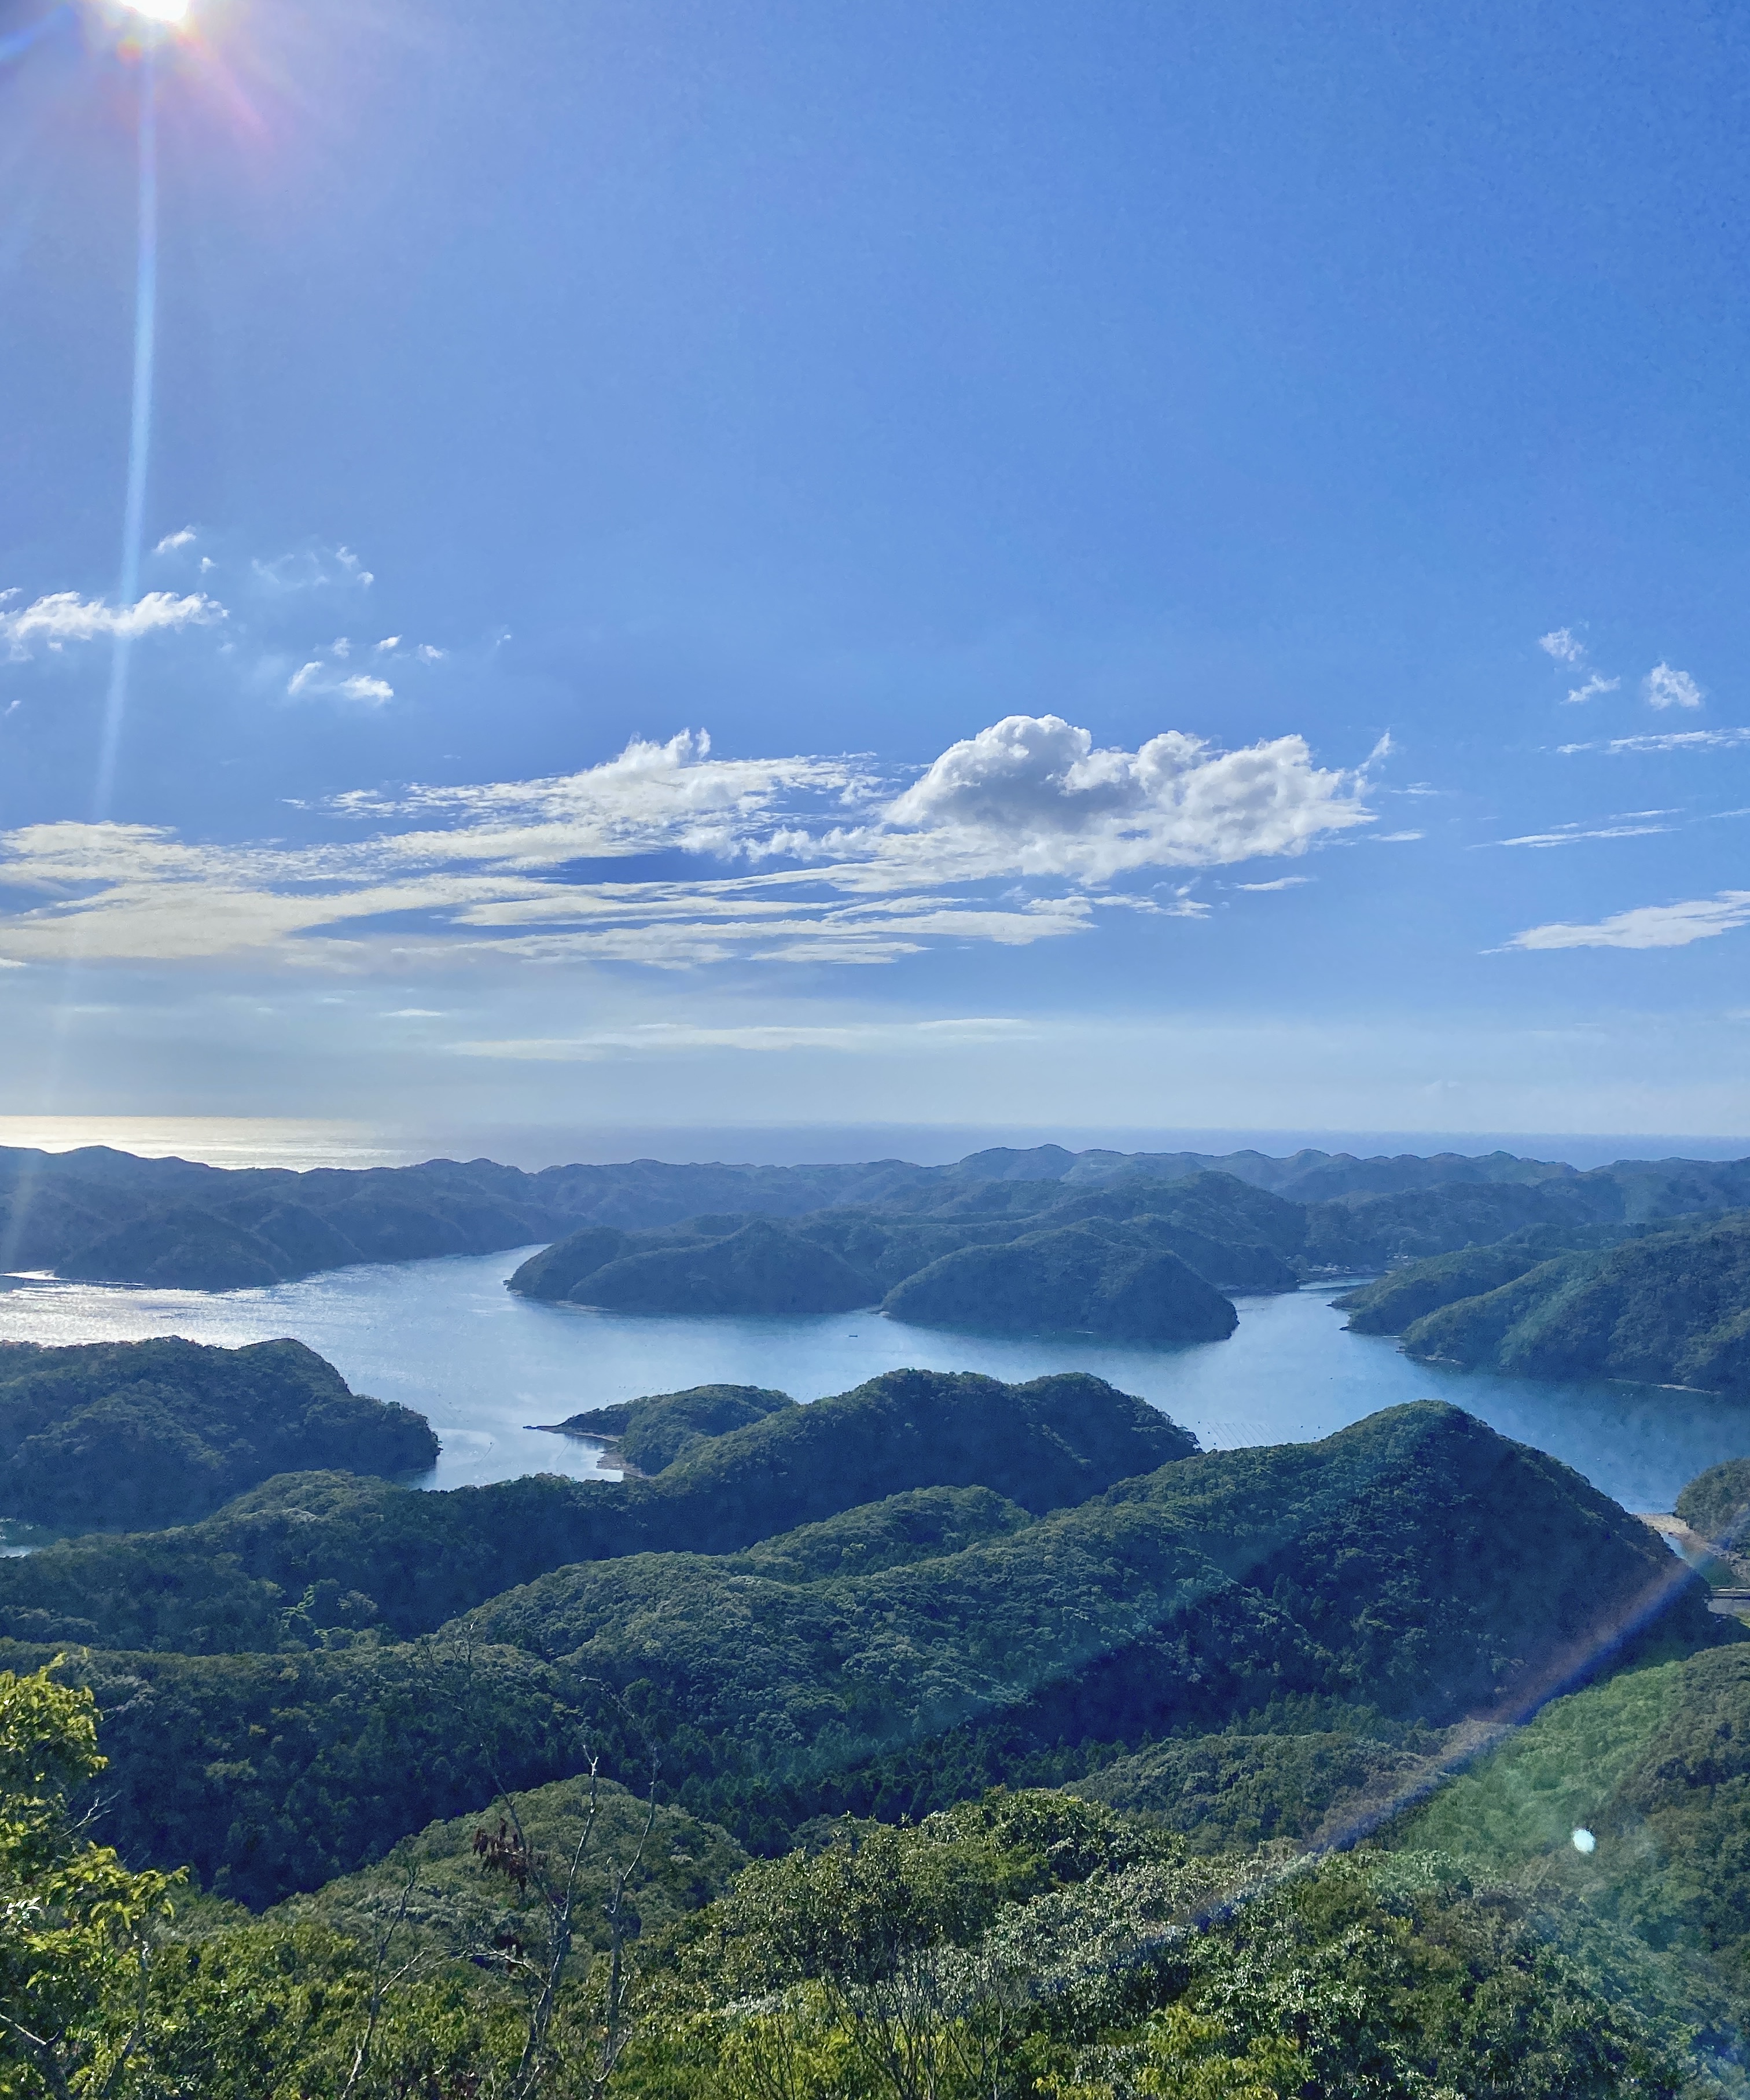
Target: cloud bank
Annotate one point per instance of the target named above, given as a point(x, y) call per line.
point(817, 859)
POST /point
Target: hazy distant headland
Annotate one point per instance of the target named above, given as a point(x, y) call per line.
point(105, 1216)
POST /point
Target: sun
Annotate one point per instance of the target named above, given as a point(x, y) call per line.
point(159, 11)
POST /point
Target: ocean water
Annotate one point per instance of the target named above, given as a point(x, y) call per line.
point(446, 1337)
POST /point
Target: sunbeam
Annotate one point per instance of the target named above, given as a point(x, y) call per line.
point(139, 427)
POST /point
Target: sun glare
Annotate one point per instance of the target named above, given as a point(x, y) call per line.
point(159, 11)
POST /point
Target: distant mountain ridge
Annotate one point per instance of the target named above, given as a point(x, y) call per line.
point(105, 1216)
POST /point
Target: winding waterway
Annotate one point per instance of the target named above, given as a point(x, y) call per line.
point(446, 1337)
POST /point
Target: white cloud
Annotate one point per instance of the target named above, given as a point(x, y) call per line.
point(1680, 739)
point(501, 868)
point(63, 617)
point(1281, 882)
point(1568, 835)
point(1032, 796)
point(1563, 644)
point(1650, 926)
point(672, 1036)
point(388, 642)
point(1666, 687)
point(316, 568)
point(317, 680)
point(427, 654)
point(173, 542)
point(1578, 695)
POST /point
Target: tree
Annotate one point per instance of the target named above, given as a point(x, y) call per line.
point(75, 1924)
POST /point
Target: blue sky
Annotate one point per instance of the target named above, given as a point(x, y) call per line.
point(1012, 565)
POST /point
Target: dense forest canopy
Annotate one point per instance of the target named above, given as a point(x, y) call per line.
point(133, 1434)
point(309, 1558)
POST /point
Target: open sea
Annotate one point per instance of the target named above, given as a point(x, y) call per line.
point(446, 1337)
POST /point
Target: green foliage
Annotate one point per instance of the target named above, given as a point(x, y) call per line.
point(1096, 1277)
point(925, 1524)
point(298, 2012)
point(272, 1773)
point(1656, 1766)
point(1229, 1792)
point(652, 1432)
point(137, 1433)
point(1406, 1293)
point(1019, 1947)
point(1671, 1307)
point(406, 1562)
point(74, 1922)
point(1716, 1504)
point(446, 1907)
point(1141, 1258)
point(1223, 1586)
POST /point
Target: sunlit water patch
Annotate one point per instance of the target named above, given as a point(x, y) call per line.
point(446, 1337)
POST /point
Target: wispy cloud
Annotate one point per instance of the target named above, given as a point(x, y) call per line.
point(317, 680)
point(1569, 835)
point(63, 617)
point(1666, 687)
point(672, 1037)
point(819, 858)
point(1281, 882)
point(1679, 739)
point(315, 567)
point(1563, 644)
point(1649, 926)
point(173, 542)
point(1577, 695)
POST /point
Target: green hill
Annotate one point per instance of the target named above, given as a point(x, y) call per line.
point(1716, 1503)
point(1302, 1580)
point(129, 1434)
point(456, 1910)
point(318, 1556)
point(1137, 1260)
point(1672, 1307)
point(1654, 1768)
point(1407, 1293)
point(1083, 1278)
point(652, 1432)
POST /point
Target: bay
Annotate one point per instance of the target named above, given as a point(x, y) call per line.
point(446, 1337)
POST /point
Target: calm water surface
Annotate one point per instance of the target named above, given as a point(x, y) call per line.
point(446, 1337)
